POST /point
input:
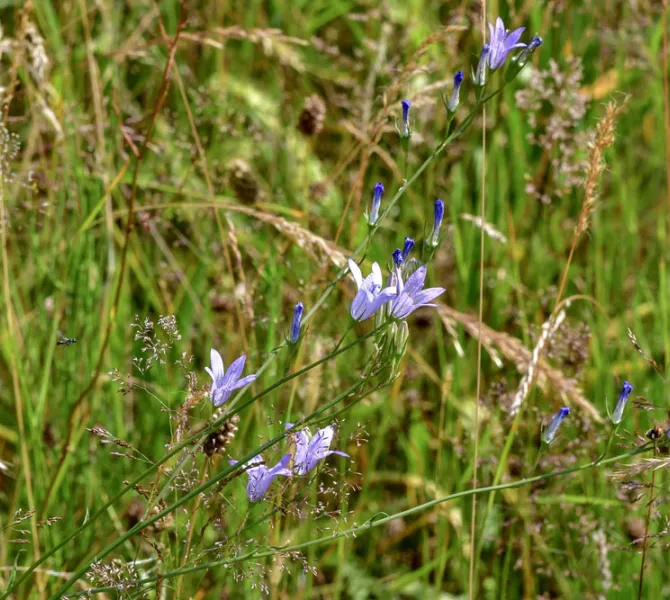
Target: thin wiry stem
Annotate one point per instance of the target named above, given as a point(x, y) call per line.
point(195, 440)
point(371, 523)
point(646, 529)
point(201, 488)
point(473, 517)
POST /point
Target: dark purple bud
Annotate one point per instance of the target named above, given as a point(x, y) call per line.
point(294, 334)
point(407, 248)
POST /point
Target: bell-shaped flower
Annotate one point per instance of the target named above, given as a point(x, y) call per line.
point(370, 296)
point(502, 42)
point(260, 476)
point(411, 294)
point(310, 449)
point(224, 383)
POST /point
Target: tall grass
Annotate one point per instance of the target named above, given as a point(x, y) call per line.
point(165, 160)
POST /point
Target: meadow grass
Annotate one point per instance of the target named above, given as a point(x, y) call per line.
point(157, 161)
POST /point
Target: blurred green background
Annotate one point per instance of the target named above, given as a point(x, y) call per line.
point(277, 121)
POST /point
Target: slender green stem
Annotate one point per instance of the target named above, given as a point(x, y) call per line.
point(370, 524)
point(196, 440)
point(200, 489)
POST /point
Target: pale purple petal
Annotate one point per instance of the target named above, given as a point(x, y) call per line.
point(320, 443)
point(356, 273)
point(244, 381)
point(376, 275)
point(425, 296)
point(513, 38)
point(415, 281)
point(359, 304)
point(211, 374)
point(219, 395)
point(402, 306)
point(217, 372)
point(234, 372)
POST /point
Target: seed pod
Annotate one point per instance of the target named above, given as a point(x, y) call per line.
point(220, 439)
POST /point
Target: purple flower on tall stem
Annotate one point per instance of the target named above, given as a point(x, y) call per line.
point(502, 42)
point(437, 222)
point(626, 391)
point(224, 383)
point(411, 294)
point(376, 203)
point(406, 105)
point(310, 449)
point(294, 332)
point(260, 476)
point(370, 296)
point(454, 99)
point(555, 423)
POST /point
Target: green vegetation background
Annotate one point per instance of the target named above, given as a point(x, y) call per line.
point(228, 136)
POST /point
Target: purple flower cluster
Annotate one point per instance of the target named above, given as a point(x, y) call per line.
point(309, 450)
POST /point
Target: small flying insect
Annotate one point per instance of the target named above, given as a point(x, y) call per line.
point(65, 341)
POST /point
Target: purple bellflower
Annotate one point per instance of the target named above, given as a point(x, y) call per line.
point(370, 296)
point(626, 391)
point(310, 449)
point(397, 257)
point(294, 333)
point(502, 42)
point(411, 294)
point(376, 203)
point(260, 476)
point(452, 103)
point(406, 131)
point(437, 222)
point(555, 423)
point(224, 383)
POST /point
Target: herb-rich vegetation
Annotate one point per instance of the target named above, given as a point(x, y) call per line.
point(334, 299)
